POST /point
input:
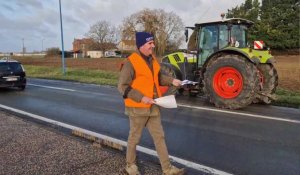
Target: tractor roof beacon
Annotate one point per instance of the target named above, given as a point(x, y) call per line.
point(230, 72)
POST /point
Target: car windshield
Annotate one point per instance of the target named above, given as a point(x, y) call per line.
point(15, 67)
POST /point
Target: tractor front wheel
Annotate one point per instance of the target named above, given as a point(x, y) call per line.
point(172, 71)
point(230, 81)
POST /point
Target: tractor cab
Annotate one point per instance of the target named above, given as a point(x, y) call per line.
point(208, 38)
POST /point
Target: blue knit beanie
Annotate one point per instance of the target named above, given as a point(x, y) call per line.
point(142, 37)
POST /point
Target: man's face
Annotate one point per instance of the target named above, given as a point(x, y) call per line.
point(147, 48)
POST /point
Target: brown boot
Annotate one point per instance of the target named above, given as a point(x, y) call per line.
point(132, 170)
point(174, 171)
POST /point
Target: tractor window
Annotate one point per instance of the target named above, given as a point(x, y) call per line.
point(208, 42)
point(209, 39)
point(238, 36)
point(223, 40)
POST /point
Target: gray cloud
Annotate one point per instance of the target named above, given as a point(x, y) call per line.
point(7, 7)
point(29, 3)
point(35, 20)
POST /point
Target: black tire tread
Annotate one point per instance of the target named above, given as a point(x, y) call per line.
point(250, 81)
point(270, 83)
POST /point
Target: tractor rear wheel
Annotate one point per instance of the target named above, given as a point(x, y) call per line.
point(172, 71)
point(269, 83)
point(230, 81)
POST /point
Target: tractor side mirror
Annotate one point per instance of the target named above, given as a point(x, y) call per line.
point(186, 33)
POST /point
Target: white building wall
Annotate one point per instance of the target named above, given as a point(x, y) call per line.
point(95, 54)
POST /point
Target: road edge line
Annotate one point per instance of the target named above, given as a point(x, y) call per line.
point(241, 113)
point(51, 87)
point(118, 143)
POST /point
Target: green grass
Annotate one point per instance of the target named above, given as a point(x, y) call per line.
point(285, 97)
point(80, 75)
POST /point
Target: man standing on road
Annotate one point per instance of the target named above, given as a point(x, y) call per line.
point(139, 82)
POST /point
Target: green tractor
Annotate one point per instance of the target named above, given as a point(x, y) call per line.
point(227, 70)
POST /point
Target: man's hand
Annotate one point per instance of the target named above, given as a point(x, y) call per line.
point(147, 100)
point(176, 82)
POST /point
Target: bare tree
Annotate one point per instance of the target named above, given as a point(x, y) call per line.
point(104, 36)
point(53, 51)
point(167, 28)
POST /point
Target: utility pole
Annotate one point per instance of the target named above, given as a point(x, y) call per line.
point(23, 48)
point(42, 45)
point(62, 41)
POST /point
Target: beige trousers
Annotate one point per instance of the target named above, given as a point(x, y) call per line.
point(153, 124)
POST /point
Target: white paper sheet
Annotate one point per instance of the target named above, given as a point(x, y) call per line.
point(166, 101)
point(184, 82)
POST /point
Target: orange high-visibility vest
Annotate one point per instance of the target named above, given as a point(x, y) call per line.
point(144, 80)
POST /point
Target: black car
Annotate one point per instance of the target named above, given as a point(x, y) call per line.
point(12, 74)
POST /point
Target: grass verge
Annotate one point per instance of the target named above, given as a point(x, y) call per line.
point(285, 97)
point(73, 74)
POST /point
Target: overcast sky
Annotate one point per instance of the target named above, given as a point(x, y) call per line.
point(37, 21)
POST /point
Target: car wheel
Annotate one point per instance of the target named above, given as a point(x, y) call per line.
point(22, 88)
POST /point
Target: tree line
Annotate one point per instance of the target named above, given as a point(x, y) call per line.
point(167, 27)
point(276, 22)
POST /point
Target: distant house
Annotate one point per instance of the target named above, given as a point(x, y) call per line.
point(110, 53)
point(86, 47)
point(94, 54)
point(126, 45)
point(99, 54)
point(80, 47)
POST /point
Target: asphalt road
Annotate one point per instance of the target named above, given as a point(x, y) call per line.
point(259, 139)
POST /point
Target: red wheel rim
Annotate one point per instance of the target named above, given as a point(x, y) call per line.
point(163, 89)
point(228, 82)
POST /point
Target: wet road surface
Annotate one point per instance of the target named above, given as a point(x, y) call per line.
point(259, 139)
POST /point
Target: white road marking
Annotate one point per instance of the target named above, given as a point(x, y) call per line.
point(51, 87)
point(241, 113)
point(195, 107)
point(65, 89)
point(145, 150)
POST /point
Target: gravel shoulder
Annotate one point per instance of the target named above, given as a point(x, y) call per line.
point(30, 148)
